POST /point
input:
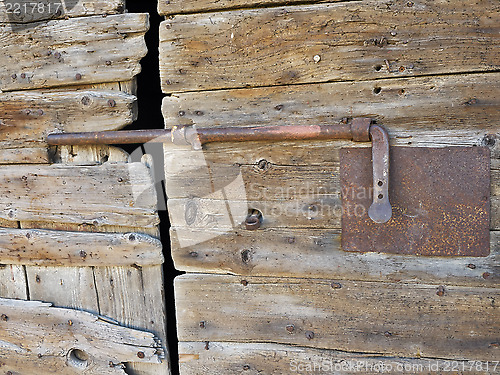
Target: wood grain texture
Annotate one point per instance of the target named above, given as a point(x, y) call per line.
point(109, 194)
point(170, 7)
point(324, 42)
point(29, 11)
point(72, 51)
point(37, 330)
point(28, 117)
point(54, 248)
point(218, 358)
point(397, 319)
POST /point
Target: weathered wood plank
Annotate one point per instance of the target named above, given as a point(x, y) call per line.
point(26, 11)
point(73, 51)
point(12, 281)
point(37, 330)
point(168, 7)
point(57, 248)
point(108, 194)
point(315, 253)
point(28, 117)
point(221, 358)
point(408, 320)
point(319, 43)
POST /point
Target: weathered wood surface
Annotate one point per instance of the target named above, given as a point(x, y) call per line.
point(42, 334)
point(56, 248)
point(221, 358)
point(169, 7)
point(26, 11)
point(316, 253)
point(72, 51)
point(408, 320)
point(105, 195)
point(28, 117)
point(324, 42)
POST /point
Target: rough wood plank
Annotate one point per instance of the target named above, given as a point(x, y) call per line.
point(73, 51)
point(168, 7)
point(12, 281)
point(37, 330)
point(108, 194)
point(314, 253)
point(26, 11)
point(408, 320)
point(57, 248)
point(28, 117)
point(221, 358)
point(319, 43)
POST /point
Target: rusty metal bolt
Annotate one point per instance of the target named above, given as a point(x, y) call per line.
point(111, 103)
point(402, 68)
point(471, 266)
point(141, 355)
point(486, 275)
point(244, 282)
point(336, 285)
point(23, 75)
point(252, 222)
point(309, 335)
point(4, 317)
point(78, 76)
point(290, 328)
point(202, 324)
point(440, 292)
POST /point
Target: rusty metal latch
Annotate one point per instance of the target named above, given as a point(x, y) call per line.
point(358, 130)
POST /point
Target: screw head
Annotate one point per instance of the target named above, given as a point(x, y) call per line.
point(111, 103)
point(244, 282)
point(78, 76)
point(141, 355)
point(290, 328)
point(309, 335)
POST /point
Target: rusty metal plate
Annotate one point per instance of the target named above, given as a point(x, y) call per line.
point(440, 199)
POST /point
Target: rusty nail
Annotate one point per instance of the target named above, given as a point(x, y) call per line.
point(4, 317)
point(199, 113)
point(486, 275)
point(57, 55)
point(141, 355)
point(14, 76)
point(70, 322)
point(108, 62)
point(279, 107)
point(290, 328)
point(111, 103)
point(246, 367)
point(83, 253)
point(202, 324)
point(206, 345)
point(85, 100)
point(23, 75)
point(168, 26)
point(471, 266)
point(244, 282)
point(193, 254)
point(336, 285)
point(309, 335)
point(40, 112)
point(131, 237)
point(401, 91)
point(471, 101)
point(182, 113)
point(246, 256)
point(440, 291)
point(402, 68)
point(168, 82)
point(37, 279)
point(78, 76)
point(495, 344)
point(11, 214)
point(387, 334)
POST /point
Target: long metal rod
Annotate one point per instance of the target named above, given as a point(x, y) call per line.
point(360, 130)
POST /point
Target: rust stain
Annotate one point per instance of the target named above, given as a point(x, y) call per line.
point(440, 199)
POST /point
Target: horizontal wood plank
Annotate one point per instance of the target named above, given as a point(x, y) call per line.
point(27, 11)
point(360, 40)
point(111, 194)
point(28, 117)
point(315, 253)
point(34, 333)
point(220, 358)
point(396, 319)
point(57, 248)
point(73, 51)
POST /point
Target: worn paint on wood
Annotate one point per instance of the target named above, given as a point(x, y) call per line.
point(27, 11)
point(55, 248)
point(43, 334)
point(94, 196)
point(408, 320)
point(222, 358)
point(319, 43)
point(28, 117)
point(73, 51)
